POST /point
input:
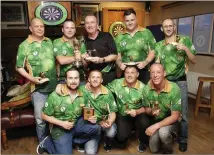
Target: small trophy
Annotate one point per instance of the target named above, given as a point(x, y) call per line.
point(127, 107)
point(77, 62)
point(44, 78)
point(156, 110)
point(88, 112)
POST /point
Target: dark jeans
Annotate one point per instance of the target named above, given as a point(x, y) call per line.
point(184, 110)
point(87, 134)
point(125, 125)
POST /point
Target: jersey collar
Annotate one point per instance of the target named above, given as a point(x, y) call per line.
point(137, 85)
point(139, 29)
point(31, 40)
point(63, 90)
point(166, 88)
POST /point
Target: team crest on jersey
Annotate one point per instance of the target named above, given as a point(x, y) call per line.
point(55, 49)
point(46, 104)
point(163, 56)
point(64, 52)
point(62, 109)
point(35, 53)
point(123, 43)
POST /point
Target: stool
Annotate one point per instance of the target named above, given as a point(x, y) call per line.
point(199, 92)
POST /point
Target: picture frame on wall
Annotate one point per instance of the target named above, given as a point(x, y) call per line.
point(81, 10)
point(14, 14)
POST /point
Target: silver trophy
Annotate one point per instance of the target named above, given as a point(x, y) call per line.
point(77, 63)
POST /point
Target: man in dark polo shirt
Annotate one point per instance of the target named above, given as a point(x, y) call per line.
point(102, 51)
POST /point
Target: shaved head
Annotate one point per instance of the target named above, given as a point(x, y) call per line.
point(34, 20)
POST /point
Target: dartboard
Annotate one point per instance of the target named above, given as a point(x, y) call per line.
point(51, 13)
point(117, 28)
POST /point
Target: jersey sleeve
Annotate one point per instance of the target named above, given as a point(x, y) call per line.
point(49, 108)
point(176, 99)
point(21, 56)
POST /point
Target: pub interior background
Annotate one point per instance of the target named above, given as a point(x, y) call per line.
point(193, 18)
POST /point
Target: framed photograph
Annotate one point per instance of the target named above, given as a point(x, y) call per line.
point(14, 13)
point(81, 10)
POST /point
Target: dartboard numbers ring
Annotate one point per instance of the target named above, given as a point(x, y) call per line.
point(51, 13)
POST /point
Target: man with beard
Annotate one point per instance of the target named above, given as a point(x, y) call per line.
point(101, 99)
point(131, 112)
point(174, 53)
point(36, 55)
point(62, 109)
point(102, 50)
point(163, 104)
point(65, 52)
point(136, 44)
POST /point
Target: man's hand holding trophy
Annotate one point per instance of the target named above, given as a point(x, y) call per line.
point(77, 63)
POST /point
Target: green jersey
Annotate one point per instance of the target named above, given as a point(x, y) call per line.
point(127, 97)
point(37, 58)
point(63, 108)
point(103, 104)
point(169, 99)
point(135, 48)
point(174, 61)
point(62, 47)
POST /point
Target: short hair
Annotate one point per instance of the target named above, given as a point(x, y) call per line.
point(157, 63)
point(68, 20)
point(128, 12)
point(71, 69)
point(95, 70)
point(168, 19)
point(131, 66)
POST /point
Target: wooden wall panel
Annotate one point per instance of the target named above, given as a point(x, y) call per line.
point(111, 15)
point(33, 4)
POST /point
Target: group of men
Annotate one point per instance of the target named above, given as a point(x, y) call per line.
point(151, 106)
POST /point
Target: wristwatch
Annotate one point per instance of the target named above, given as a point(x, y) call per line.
point(104, 59)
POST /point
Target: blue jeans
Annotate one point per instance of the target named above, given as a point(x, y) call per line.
point(184, 110)
point(88, 134)
point(163, 138)
point(63, 144)
point(38, 101)
point(110, 132)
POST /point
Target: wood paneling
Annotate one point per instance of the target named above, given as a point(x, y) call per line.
point(33, 4)
point(111, 15)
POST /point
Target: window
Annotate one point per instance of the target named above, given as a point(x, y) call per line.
point(185, 26)
point(200, 29)
point(202, 33)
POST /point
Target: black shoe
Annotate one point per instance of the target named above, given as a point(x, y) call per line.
point(182, 147)
point(141, 148)
point(107, 147)
point(80, 148)
point(40, 150)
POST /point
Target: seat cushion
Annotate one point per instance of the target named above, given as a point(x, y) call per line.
point(22, 117)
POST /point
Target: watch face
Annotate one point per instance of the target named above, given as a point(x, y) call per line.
point(51, 13)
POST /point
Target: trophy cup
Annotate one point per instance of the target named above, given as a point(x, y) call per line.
point(88, 112)
point(44, 78)
point(77, 63)
point(156, 110)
